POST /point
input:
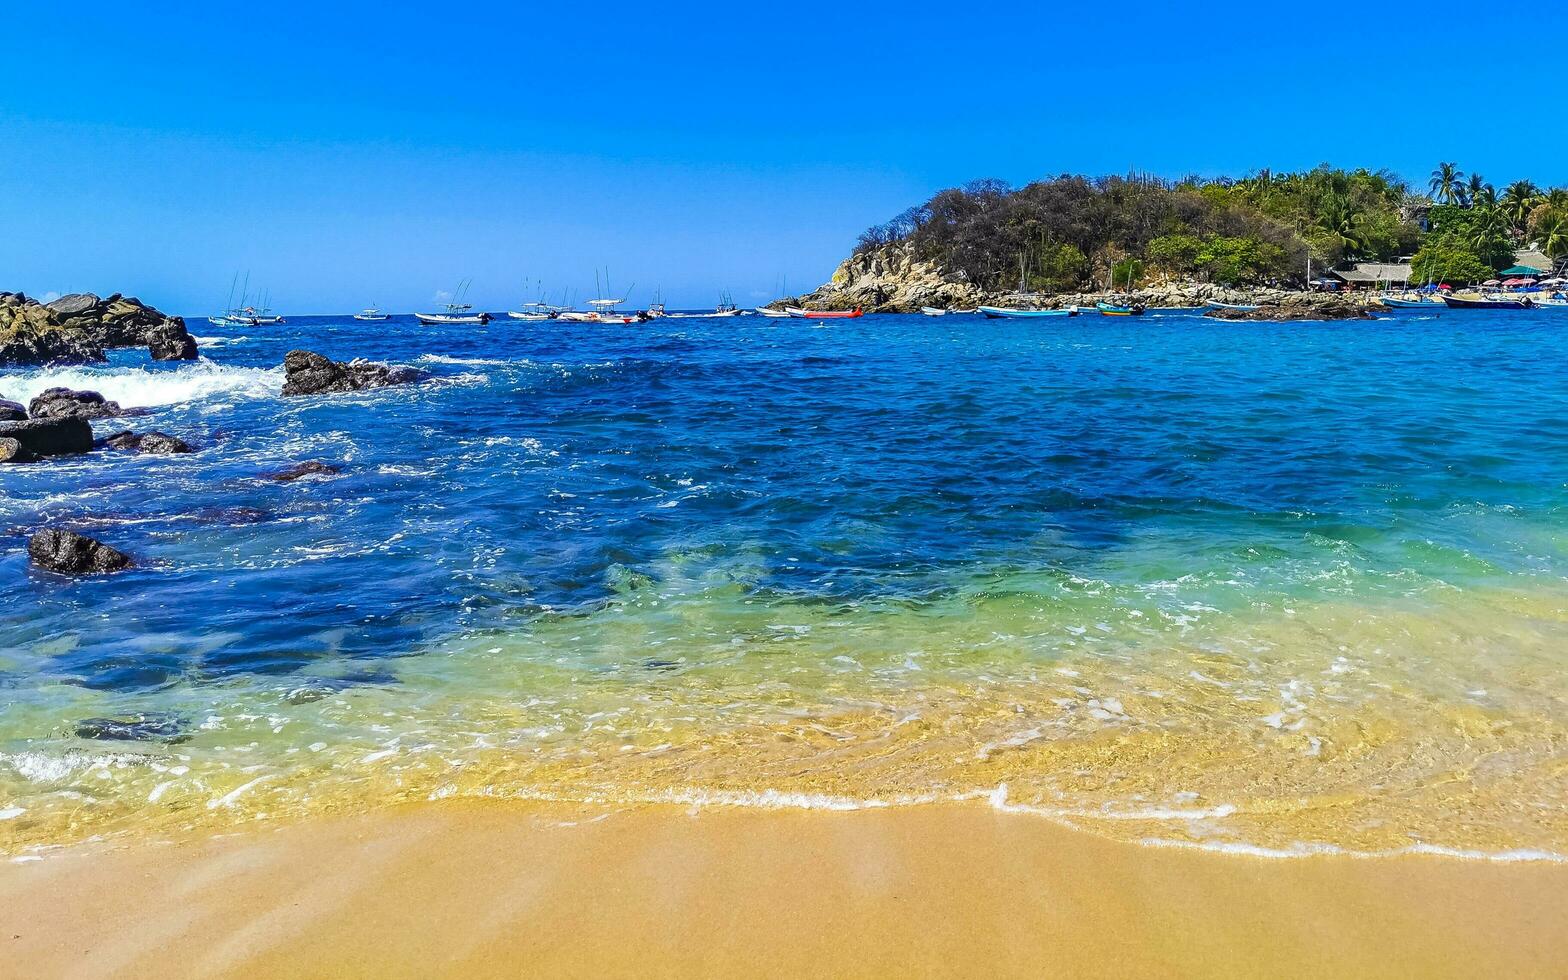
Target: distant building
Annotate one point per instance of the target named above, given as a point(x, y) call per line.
point(1367, 274)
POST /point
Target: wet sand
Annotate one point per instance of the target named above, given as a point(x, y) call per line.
point(509, 889)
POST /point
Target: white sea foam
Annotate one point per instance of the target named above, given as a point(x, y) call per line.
point(444, 359)
point(135, 387)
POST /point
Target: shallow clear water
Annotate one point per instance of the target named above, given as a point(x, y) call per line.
point(1275, 586)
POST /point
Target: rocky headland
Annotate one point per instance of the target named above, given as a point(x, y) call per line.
point(81, 328)
point(892, 279)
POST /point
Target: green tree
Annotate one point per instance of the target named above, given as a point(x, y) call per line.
point(1447, 184)
point(1446, 260)
point(1175, 253)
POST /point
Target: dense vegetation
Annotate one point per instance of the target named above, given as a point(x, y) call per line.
point(1071, 231)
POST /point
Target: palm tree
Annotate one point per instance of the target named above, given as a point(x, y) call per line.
point(1447, 183)
point(1551, 234)
point(1489, 228)
point(1341, 218)
point(1474, 187)
point(1519, 201)
point(1484, 198)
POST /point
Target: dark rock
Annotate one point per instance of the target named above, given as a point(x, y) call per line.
point(73, 304)
point(170, 341)
point(138, 728)
point(56, 403)
point(11, 411)
point(148, 442)
point(69, 553)
point(312, 468)
point(308, 373)
point(1282, 312)
point(64, 436)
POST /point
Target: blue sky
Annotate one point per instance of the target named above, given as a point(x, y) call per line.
point(346, 154)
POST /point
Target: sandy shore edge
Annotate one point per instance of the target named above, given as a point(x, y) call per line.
point(509, 889)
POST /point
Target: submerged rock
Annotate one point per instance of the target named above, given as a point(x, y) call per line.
point(158, 443)
point(140, 728)
point(63, 436)
point(12, 411)
point(68, 553)
point(299, 470)
point(309, 373)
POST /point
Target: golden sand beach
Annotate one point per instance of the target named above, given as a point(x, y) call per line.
point(510, 889)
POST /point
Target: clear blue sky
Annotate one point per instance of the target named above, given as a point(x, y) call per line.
point(354, 153)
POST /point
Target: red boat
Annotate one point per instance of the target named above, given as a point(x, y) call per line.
point(823, 314)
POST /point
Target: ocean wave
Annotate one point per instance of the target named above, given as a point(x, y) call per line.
point(141, 387)
point(218, 341)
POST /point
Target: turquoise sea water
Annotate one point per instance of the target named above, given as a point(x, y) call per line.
point(1286, 587)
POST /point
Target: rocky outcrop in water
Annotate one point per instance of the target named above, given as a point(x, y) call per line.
point(11, 411)
point(152, 443)
point(301, 470)
point(57, 403)
point(120, 321)
point(170, 341)
point(309, 373)
point(79, 328)
point(1282, 312)
point(68, 553)
point(37, 438)
point(31, 335)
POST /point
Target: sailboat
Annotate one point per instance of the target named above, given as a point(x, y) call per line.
point(456, 311)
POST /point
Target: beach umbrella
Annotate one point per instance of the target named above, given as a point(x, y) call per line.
point(1491, 282)
point(1517, 282)
point(1554, 281)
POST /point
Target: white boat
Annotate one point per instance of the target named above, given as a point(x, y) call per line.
point(996, 312)
point(455, 313)
point(775, 314)
point(533, 311)
point(932, 311)
point(370, 313)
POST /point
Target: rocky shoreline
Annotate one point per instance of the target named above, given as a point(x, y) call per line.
point(58, 421)
point(892, 280)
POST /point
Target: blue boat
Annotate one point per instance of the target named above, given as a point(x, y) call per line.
point(996, 311)
point(1112, 309)
point(1488, 303)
